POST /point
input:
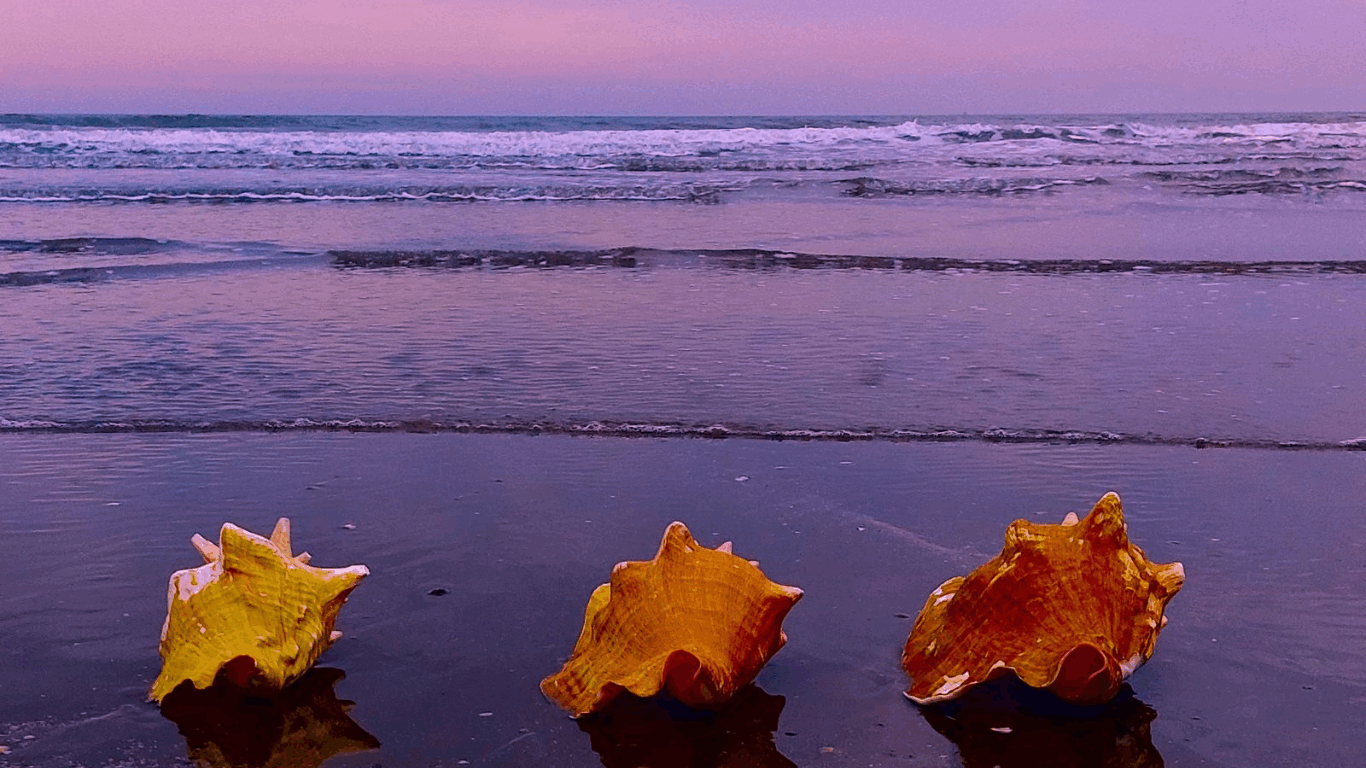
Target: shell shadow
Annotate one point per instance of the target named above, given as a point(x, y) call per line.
point(303, 726)
point(1006, 723)
point(661, 733)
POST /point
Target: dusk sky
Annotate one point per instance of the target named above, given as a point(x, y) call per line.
point(673, 57)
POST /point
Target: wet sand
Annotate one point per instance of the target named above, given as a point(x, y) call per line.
point(484, 549)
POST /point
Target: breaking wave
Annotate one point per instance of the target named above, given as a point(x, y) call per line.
point(770, 145)
point(447, 194)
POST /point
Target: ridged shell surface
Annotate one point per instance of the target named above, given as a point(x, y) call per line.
point(1074, 608)
point(697, 622)
point(254, 611)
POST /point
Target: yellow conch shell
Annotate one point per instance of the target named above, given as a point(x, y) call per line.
point(1073, 608)
point(254, 611)
point(698, 622)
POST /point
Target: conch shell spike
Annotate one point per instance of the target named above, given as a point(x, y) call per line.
point(280, 537)
point(207, 549)
point(1171, 576)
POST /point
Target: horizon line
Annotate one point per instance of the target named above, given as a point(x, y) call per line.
point(714, 115)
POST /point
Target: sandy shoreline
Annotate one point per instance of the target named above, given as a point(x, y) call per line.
point(1262, 663)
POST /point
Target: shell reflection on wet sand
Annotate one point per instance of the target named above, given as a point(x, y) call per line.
point(631, 732)
point(696, 622)
point(254, 615)
point(303, 727)
point(1006, 724)
point(1073, 608)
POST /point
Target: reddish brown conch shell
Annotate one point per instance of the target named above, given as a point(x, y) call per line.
point(697, 622)
point(1073, 608)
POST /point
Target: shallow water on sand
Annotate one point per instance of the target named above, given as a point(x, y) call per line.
point(680, 340)
point(1262, 663)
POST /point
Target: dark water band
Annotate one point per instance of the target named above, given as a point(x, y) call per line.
point(666, 430)
point(750, 258)
point(735, 259)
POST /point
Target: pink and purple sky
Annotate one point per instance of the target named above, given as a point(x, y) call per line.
point(676, 57)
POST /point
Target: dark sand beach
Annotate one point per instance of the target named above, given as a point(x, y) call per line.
point(484, 548)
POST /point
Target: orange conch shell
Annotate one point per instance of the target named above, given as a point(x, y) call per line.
point(254, 611)
point(698, 622)
point(1073, 608)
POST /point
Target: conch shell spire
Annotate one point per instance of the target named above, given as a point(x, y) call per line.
point(255, 612)
point(698, 623)
point(1073, 608)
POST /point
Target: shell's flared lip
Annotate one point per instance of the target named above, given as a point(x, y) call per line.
point(695, 622)
point(1073, 608)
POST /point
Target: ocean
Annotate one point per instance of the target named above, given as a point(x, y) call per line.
point(909, 277)
point(760, 323)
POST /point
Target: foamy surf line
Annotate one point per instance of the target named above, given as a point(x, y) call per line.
point(666, 430)
point(542, 194)
point(56, 140)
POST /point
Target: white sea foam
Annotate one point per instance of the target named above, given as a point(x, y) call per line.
point(304, 160)
point(659, 143)
point(588, 147)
